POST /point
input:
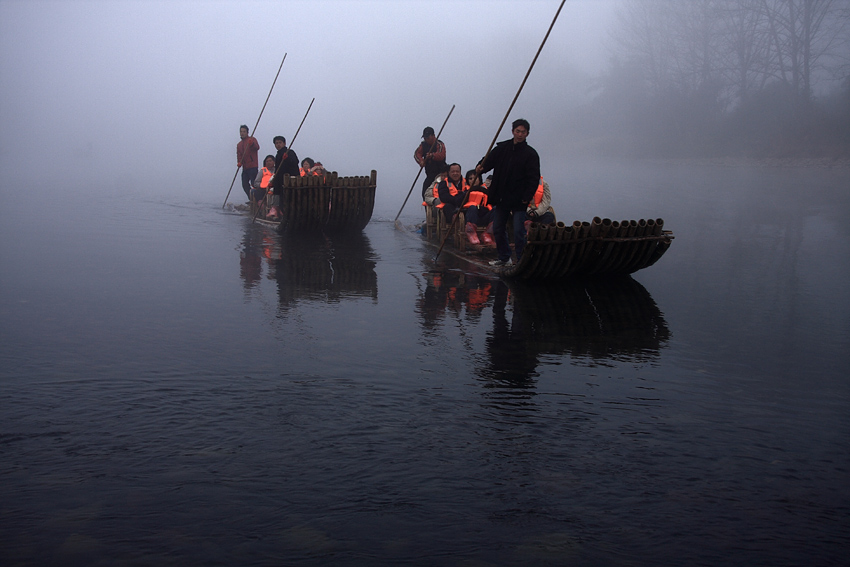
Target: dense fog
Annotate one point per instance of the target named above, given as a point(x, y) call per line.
point(724, 78)
point(147, 97)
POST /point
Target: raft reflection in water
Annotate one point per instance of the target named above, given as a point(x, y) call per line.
point(595, 322)
point(311, 266)
point(328, 268)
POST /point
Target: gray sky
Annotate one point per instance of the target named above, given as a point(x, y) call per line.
point(146, 94)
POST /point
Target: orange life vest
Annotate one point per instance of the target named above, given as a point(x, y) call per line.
point(477, 199)
point(538, 196)
point(267, 175)
point(433, 187)
point(452, 189)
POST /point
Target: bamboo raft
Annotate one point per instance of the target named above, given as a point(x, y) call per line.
point(325, 202)
point(601, 247)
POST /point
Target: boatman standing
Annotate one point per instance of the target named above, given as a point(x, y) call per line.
point(430, 154)
point(285, 161)
point(246, 158)
point(516, 175)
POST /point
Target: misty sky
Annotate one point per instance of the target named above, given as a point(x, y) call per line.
point(146, 94)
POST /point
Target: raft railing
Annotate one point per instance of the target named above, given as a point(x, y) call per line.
point(327, 202)
point(555, 251)
point(599, 247)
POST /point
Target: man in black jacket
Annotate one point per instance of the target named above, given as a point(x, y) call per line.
point(285, 161)
point(516, 174)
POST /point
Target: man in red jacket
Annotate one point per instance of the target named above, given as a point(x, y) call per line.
point(430, 154)
point(246, 158)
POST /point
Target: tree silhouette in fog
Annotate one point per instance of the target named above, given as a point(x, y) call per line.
point(721, 77)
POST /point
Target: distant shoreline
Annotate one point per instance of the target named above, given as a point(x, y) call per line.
point(790, 162)
point(627, 149)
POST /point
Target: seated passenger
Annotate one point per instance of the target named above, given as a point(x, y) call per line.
point(310, 167)
point(260, 185)
point(452, 192)
point(540, 209)
point(307, 167)
point(478, 212)
point(432, 197)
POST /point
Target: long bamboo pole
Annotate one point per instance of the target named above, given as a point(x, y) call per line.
point(434, 145)
point(499, 129)
point(300, 125)
point(257, 212)
point(245, 152)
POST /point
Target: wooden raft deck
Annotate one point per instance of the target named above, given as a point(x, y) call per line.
point(601, 247)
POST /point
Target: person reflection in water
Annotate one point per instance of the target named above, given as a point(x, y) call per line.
point(446, 292)
point(511, 350)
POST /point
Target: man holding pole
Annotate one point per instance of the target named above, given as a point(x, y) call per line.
point(516, 174)
point(430, 154)
point(246, 158)
point(285, 161)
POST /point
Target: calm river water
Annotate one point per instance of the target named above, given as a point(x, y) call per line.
point(180, 387)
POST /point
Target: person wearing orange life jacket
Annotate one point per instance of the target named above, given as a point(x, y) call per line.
point(452, 192)
point(306, 164)
point(310, 167)
point(540, 208)
point(478, 212)
point(432, 198)
point(264, 177)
